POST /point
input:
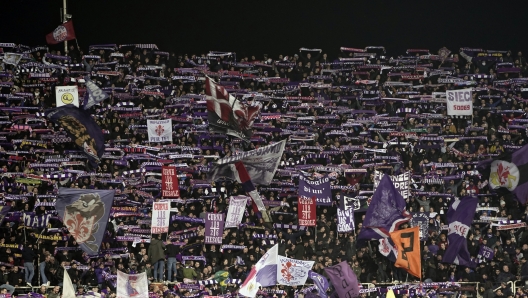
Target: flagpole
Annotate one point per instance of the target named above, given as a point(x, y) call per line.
point(64, 20)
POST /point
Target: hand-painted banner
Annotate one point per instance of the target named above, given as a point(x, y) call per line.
point(421, 220)
point(160, 217)
point(65, 95)
point(132, 285)
point(459, 102)
point(401, 182)
point(169, 183)
point(486, 253)
point(159, 130)
point(318, 188)
point(292, 272)
point(36, 221)
point(345, 220)
point(306, 211)
point(237, 206)
point(214, 228)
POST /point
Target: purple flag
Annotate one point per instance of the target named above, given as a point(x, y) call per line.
point(385, 213)
point(421, 220)
point(486, 253)
point(3, 213)
point(214, 228)
point(459, 218)
point(343, 279)
point(320, 282)
point(85, 214)
point(318, 188)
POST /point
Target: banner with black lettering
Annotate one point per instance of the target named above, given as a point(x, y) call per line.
point(401, 182)
point(459, 102)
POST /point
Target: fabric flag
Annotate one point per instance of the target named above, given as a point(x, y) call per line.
point(66, 95)
point(320, 282)
point(226, 114)
point(85, 214)
point(61, 33)
point(67, 291)
point(260, 164)
point(401, 182)
point(390, 294)
point(318, 188)
point(237, 206)
point(509, 172)
point(82, 129)
point(421, 220)
point(160, 217)
point(12, 58)
point(214, 228)
point(407, 244)
point(343, 279)
point(485, 253)
point(221, 277)
point(385, 213)
point(3, 212)
point(159, 130)
point(263, 274)
point(36, 221)
point(240, 261)
point(243, 178)
point(459, 218)
point(94, 94)
point(170, 187)
point(459, 102)
point(345, 220)
point(292, 272)
point(132, 285)
point(306, 211)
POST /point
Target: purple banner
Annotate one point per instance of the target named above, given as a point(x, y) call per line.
point(421, 220)
point(459, 218)
point(318, 188)
point(486, 253)
point(214, 228)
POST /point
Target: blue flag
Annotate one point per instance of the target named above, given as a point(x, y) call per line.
point(94, 94)
point(459, 218)
point(320, 282)
point(81, 128)
point(385, 213)
point(85, 214)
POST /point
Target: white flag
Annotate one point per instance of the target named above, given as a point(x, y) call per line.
point(132, 285)
point(68, 291)
point(237, 206)
point(12, 58)
point(292, 272)
point(160, 217)
point(159, 130)
point(66, 95)
point(459, 102)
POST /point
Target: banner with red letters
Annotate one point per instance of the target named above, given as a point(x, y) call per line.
point(459, 102)
point(169, 183)
point(306, 209)
point(160, 217)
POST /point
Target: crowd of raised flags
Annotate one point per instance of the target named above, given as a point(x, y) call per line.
point(143, 173)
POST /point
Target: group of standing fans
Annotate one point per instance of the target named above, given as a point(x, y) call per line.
point(365, 110)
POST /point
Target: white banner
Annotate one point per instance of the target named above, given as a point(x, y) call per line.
point(345, 220)
point(159, 130)
point(459, 102)
point(401, 182)
point(160, 217)
point(292, 272)
point(132, 285)
point(66, 95)
point(237, 205)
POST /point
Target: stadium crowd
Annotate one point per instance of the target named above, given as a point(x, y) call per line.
point(344, 117)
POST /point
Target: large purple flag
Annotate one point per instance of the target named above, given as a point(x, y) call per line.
point(318, 188)
point(320, 282)
point(85, 213)
point(81, 128)
point(214, 228)
point(385, 213)
point(459, 218)
point(343, 279)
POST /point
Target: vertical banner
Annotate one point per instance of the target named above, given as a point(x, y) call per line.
point(306, 211)
point(169, 183)
point(132, 285)
point(159, 130)
point(318, 188)
point(214, 228)
point(66, 95)
point(459, 102)
point(421, 220)
point(160, 217)
point(345, 220)
point(407, 243)
point(401, 182)
point(292, 272)
point(237, 206)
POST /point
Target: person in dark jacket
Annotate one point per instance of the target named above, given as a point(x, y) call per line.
point(4, 280)
point(73, 272)
point(15, 277)
point(156, 253)
point(29, 255)
point(90, 278)
point(172, 252)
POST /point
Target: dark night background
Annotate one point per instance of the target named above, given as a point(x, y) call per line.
point(275, 27)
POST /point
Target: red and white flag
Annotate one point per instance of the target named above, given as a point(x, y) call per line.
point(169, 183)
point(306, 211)
point(61, 33)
